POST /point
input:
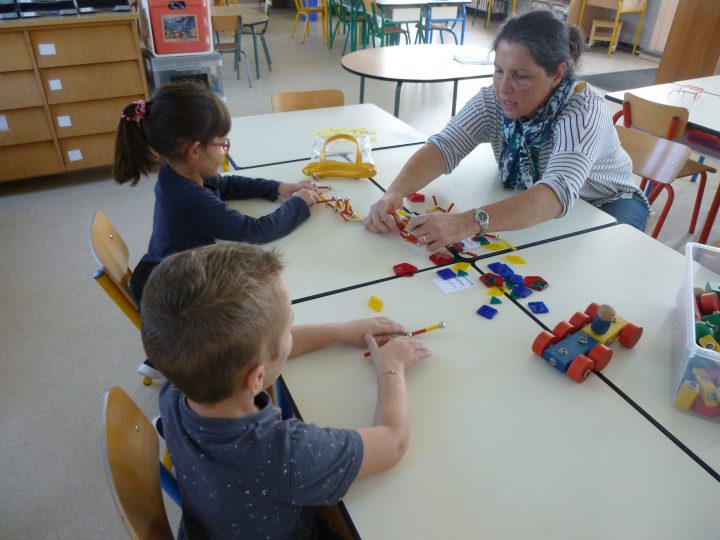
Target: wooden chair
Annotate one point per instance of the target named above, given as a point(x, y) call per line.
point(130, 449)
point(670, 122)
point(620, 7)
point(111, 254)
point(312, 99)
point(233, 24)
point(305, 10)
point(654, 158)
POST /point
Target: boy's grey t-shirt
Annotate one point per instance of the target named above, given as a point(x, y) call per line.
point(255, 477)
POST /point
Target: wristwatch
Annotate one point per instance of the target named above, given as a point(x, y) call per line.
point(482, 218)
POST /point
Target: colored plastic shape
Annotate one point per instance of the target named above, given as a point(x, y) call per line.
point(441, 258)
point(416, 197)
point(404, 269)
point(538, 307)
point(521, 292)
point(535, 282)
point(446, 273)
point(515, 259)
point(375, 303)
point(461, 266)
point(492, 280)
point(495, 300)
point(487, 312)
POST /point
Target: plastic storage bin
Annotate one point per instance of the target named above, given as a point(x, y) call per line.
point(699, 369)
point(179, 26)
point(205, 68)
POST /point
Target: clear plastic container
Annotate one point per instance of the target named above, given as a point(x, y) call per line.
point(205, 68)
point(699, 369)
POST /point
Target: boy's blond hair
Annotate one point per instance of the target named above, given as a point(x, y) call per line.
point(210, 313)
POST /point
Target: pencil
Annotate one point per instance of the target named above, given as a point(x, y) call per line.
point(437, 326)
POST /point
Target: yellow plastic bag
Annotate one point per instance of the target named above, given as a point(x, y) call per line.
point(340, 169)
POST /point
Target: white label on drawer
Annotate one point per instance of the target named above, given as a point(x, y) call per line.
point(64, 121)
point(55, 84)
point(74, 155)
point(3, 123)
point(46, 49)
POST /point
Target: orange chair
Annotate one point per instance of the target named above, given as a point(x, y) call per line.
point(670, 122)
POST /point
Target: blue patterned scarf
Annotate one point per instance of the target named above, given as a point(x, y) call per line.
point(518, 169)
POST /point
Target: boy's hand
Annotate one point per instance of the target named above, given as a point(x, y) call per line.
point(398, 354)
point(310, 197)
point(380, 328)
point(287, 190)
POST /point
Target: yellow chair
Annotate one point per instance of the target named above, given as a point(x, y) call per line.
point(311, 99)
point(130, 449)
point(111, 254)
point(305, 10)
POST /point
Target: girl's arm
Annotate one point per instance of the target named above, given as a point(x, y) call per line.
point(232, 187)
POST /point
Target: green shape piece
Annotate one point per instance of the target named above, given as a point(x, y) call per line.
point(462, 273)
point(495, 300)
point(711, 286)
point(483, 241)
point(514, 296)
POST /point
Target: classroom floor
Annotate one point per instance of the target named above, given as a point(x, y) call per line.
point(62, 343)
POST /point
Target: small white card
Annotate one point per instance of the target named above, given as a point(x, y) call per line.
point(64, 121)
point(74, 155)
point(4, 123)
point(46, 49)
point(456, 284)
point(55, 84)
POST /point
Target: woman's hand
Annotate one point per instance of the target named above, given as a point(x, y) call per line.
point(287, 189)
point(381, 218)
point(437, 230)
point(309, 196)
point(381, 329)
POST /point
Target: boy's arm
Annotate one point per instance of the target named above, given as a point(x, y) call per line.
point(386, 442)
point(309, 337)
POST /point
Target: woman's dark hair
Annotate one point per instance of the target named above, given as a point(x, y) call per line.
point(548, 39)
point(176, 114)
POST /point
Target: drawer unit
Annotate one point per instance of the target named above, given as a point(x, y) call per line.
point(86, 117)
point(27, 160)
point(63, 84)
point(23, 126)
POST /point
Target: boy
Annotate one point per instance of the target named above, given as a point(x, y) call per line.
point(217, 321)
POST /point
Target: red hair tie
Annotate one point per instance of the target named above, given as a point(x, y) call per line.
point(140, 112)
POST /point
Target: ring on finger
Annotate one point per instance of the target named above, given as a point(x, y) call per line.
point(424, 239)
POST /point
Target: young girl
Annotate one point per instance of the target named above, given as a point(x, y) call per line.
point(182, 131)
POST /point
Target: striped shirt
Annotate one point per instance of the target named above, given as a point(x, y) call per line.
point(582, 159)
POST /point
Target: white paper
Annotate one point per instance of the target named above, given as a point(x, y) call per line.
point(456, 284)
point(64, 121)
point(4, 123)
point(74, 155)
point(46, 49)
point(55, 84)
point(473, 59)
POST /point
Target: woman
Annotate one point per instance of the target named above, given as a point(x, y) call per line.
point(552, 137)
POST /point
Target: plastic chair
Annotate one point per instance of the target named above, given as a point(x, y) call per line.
point(230, 23)
point(670, 122)
point(311, 99)
point(378, 26)
point(442, 23)
point(306, 11)
point(260, 32)
point(130, 449)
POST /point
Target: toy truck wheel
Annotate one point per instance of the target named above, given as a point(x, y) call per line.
point(591, 310)
point(562, 330)
point(630, 335)
point(542, 342)
point(601, 355)
point(579, 320)
point(580, 368)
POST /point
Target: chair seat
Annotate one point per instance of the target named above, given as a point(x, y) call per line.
point(694, 167)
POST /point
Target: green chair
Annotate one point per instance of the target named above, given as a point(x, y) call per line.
point(258, 30)
point(378, 26)
point(349, 14)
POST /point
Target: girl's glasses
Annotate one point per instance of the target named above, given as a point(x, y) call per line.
point(225, 145)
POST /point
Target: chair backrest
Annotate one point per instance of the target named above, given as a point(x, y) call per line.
point(312, 99)
point(131, 457)
point(226, 23)
point(111, 254)
point(657, 118)
point(653, 157)
point(267, 6)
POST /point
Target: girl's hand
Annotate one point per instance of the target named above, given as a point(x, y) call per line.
point(437, 230)
point(380, 219)
point(287, 189)
point(310, 197)
point(381, 329)
point(399, 354)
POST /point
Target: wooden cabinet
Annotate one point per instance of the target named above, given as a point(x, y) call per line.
point(63, 84)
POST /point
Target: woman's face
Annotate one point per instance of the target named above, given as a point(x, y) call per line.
point(521, 86)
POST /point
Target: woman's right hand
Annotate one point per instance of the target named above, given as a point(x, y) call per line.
point(310, 197)
point(380, 219)
point(397, 354)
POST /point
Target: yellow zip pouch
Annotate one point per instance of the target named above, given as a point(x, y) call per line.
point(340, 169)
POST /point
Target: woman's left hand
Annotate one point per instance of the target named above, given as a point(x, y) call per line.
point(287, 189)
point(437, 230)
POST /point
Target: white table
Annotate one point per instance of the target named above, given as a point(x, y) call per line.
point(278, 137)
point(476, 182)
point(710, 85)
point(388, 6)
point(641, 278)
point(502, 446)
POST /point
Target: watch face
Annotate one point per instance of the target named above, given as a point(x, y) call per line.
point(482, 217)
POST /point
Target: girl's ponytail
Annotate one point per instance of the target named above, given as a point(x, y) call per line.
point(133, 154)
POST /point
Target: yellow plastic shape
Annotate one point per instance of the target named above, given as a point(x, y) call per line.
point(375, 304)
point(686, 394)
point(494, 246)
point(340, 169)
point(495, 291)
point(514, 259)
point(708, 391)
point(461, 266)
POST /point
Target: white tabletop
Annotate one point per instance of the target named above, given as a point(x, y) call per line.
point(475, 182)
point(710, 84)
point(641, 278)
point(502, 446)
point(278, 137)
